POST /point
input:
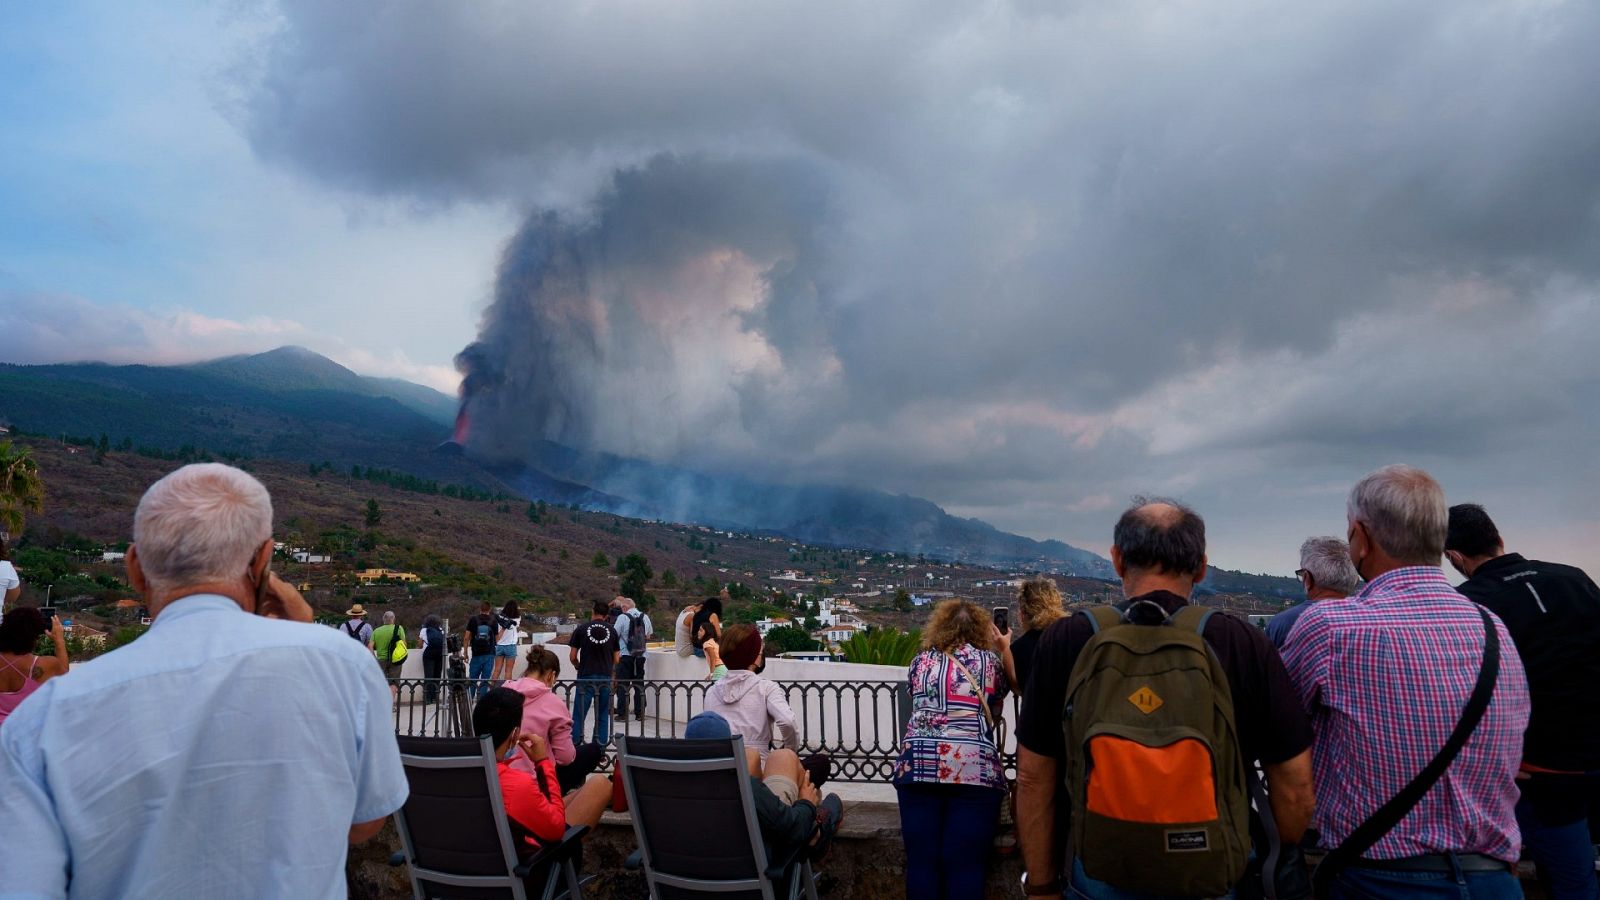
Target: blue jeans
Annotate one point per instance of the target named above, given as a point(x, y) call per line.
point(1082, 887)
point(949, 833)
point(1554, 816)
point(478, 670)
point(1377, 884)
point(594, 689)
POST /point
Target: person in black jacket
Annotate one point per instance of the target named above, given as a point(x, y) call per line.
point(433, 647)
point(1553, 614)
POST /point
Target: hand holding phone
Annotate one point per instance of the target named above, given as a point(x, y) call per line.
point(277, 599)
point(1002, 619)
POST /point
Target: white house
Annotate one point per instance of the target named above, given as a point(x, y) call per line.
point(834, 634)
point(112, 556)
point(306, 556)
point(766, 625)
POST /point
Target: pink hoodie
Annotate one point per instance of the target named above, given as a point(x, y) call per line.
point(544, 713)
point(754, 708)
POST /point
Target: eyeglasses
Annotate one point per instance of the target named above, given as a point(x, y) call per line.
point(1301, 573)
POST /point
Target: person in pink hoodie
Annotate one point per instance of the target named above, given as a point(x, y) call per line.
point(755, 707)
point(545, 713)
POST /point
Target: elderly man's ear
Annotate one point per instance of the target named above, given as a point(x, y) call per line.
point(136, 579)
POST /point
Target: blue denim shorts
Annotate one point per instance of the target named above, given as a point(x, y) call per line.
point(508, 651)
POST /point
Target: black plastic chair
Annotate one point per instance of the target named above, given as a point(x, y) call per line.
point(455, 834)
point(695, 819)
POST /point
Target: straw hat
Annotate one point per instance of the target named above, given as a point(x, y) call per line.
point(356, 612)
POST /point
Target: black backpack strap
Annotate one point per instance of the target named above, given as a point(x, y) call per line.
point(1389, 815)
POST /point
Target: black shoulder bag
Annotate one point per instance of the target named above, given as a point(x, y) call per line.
point(1389, 815)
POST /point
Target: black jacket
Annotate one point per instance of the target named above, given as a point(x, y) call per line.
point(1553, 614)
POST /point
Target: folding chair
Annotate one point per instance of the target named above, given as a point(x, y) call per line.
point(455, 834)
point(695, 819)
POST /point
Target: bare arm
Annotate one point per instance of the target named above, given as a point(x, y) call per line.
point(13, 594)
point(1291, 796)
point(362, 832)
point(1036, 815)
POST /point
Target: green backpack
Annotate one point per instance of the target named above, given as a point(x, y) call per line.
point(1159, 798)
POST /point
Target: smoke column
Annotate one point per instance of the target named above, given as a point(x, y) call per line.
point(682, 317)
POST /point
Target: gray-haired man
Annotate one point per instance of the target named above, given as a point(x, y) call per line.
point(1325, 573)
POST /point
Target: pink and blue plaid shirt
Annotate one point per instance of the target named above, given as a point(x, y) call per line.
point(1385, 675)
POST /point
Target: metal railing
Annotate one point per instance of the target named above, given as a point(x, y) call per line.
point(857, 723)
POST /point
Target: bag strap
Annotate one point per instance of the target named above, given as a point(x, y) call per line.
point(1100, 618)
point(983, 702)
point(1389, 815)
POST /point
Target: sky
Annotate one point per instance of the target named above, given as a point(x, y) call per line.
point(1025, 260)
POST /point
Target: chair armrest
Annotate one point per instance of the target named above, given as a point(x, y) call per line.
point(635, 860)
point(397, 858)
point(565, 847)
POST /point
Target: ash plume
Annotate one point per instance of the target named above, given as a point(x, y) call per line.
point(659, 321)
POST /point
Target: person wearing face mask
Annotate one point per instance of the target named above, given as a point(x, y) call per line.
point(545, 713)
point(528, 783)
point(1387, 676)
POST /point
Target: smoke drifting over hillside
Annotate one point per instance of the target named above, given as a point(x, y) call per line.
point(1022, 259)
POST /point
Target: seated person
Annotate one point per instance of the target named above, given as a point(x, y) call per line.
point(754, 707)
point(533, 801)
point(789, 809)
point(21, 672)
point(545, 713)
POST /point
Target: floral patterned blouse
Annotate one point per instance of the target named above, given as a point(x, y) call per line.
point(947, 740)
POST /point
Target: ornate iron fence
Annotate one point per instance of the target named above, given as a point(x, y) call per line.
point(857, 723)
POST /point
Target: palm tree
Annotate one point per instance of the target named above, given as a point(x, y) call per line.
point(20, 487)
point(883, 647)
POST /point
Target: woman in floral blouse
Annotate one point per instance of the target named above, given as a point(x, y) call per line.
point(949, 775)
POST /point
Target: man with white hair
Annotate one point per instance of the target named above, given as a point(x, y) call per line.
point(633, 633)
point(1419, 703)
point(234, 749)
point(1325, 573)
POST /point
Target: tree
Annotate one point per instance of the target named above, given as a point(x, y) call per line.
point(600, 561)
point(21, 490)
point(902, 600)
point(882, 647)
point(374, 513)
point(669, 579)
point(788, 639)
point(636, 574)
point(533, 513)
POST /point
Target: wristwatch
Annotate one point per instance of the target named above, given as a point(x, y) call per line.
point(1051, 888)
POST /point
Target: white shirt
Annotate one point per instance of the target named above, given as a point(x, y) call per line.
point(221, 754)
point(8, 576)
point(509, 636)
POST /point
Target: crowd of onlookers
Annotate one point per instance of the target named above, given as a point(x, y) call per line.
point(1421, 737)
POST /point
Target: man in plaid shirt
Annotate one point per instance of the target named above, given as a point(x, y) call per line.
point(1385, 675)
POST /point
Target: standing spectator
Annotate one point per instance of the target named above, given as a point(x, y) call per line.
point(545, 713)
point(21, 672)
point(1386, 675)
point(1553, 614)
point(231, 749)
point(633, 634)
point(949, 776)
point(386, 638)
point(433, 651)
point(10, 581)
point(1325, 573)
point(357, 626)
point(505, 646)
point(1159, 551)
point(481, 635)
point(594, 652)
point(1038, 607)
point(682, 640)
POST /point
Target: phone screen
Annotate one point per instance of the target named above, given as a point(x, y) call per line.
point(49, 612)
point(1002, 619)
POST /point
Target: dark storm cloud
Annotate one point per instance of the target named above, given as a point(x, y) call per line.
point(1118, 233)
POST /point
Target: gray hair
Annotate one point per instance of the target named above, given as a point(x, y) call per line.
point(201, 523)
point(1328, 561)
point(1404, 511)
point(388, 617)
point(626, 603)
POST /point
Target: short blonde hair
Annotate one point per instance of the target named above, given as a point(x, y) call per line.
point(201, 523)
point(955, 622)
point(1039, 602)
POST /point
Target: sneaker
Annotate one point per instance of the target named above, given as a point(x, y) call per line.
point(830, 815)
